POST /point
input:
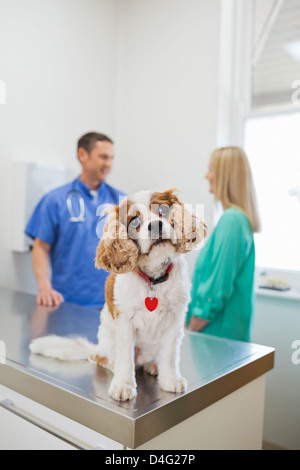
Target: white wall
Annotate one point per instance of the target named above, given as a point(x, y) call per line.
point(168, 92)
point(144, 71)
point(58, 60)
point(168, 97)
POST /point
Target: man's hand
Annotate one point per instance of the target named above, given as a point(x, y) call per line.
point(49, 297)
point(41, 266)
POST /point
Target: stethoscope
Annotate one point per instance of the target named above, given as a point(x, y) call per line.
point(75, 193)
point(81, 217)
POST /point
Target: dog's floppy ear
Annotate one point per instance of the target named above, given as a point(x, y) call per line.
point(190, 230)
point(116, 252)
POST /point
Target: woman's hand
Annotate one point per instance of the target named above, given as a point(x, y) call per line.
point(198, 324)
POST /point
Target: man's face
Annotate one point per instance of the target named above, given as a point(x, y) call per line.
point(97, 163)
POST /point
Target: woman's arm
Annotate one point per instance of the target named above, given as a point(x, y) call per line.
point(224, 258)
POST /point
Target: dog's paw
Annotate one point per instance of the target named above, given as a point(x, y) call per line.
point(173, 384)
point(121, 391)
point(151, 368)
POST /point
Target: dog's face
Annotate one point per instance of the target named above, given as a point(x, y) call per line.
point(147, 224)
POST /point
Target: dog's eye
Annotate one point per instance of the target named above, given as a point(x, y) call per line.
point(135, 223)
point(164, 210)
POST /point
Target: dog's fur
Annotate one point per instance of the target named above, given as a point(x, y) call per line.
point(149, 231)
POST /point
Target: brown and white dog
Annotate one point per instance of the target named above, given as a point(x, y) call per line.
point(147, 293)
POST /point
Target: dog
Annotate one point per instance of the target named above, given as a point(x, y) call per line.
point(147, 293)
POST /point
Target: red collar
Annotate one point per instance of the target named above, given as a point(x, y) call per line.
point(151, 281)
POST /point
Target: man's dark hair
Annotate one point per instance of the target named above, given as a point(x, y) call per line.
point(88, 141)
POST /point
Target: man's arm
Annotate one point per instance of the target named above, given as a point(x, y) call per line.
point(41, 267)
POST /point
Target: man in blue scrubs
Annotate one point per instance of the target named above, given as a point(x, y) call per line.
point(64, 229)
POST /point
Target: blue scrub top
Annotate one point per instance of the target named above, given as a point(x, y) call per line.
point(74, 244)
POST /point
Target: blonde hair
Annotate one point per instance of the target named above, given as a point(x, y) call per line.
point(233, 182)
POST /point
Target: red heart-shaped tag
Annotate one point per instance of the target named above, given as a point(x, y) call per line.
point(151, 304)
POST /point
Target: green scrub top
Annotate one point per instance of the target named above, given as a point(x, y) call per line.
point(223, 279)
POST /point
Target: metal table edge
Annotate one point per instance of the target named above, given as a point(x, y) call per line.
point(133, 431)
point(160, 420)
point(107, 422)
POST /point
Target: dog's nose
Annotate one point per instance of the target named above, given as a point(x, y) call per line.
point(155, 227)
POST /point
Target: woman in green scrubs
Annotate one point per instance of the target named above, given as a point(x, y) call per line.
point(223, 279)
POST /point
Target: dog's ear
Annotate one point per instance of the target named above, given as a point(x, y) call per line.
point(190, 230)
point(116, 252)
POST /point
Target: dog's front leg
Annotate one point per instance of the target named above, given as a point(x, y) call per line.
point(123, 384)
point(170, 378)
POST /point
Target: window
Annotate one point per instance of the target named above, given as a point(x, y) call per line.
point(273, 146)
point(272, 131)
point(276, 51)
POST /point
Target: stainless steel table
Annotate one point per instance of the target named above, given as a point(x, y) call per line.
point(214, 368)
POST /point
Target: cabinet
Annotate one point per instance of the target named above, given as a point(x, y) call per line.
point(226, 389)
point(18, 434)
